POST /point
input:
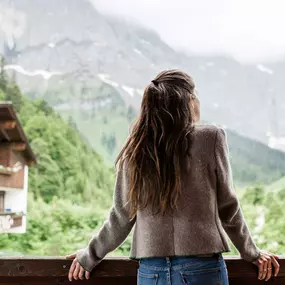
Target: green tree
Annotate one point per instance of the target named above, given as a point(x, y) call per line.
point(109, 142)
point(255, 195)
point(131, 114)
point(3, 77)
point(14, 95)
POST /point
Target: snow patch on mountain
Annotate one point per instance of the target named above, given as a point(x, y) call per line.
point(51, 45)
point(137, 51)
point(129, 90)
point(38, 72)
point(106, 78)
point(145, 42)
point(265, 69)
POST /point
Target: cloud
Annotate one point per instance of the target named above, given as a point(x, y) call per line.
point(248, 30)
point(12, 24)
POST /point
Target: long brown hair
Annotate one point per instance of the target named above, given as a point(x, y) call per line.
point(158, 143)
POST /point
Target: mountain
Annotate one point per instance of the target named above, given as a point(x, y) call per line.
point(62, 41)
point(93, 68)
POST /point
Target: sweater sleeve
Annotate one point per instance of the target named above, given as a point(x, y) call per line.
point(229, 209)
point(114, 231)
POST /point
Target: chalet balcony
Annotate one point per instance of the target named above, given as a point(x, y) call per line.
point(5, 171)
point(10, 220)
point(112, 271)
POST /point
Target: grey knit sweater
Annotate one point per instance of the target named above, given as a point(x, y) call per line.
point(207, 207)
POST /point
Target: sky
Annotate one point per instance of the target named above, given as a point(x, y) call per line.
point(248, 30)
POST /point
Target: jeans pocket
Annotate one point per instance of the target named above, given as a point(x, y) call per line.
point(210, 276)
point(147, 279)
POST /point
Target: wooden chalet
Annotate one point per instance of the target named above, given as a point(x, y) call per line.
point(16, 156)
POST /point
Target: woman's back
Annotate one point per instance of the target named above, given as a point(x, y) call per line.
point(174, 185)
point(194, 227)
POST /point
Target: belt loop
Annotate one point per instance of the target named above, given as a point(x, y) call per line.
point(168, 261)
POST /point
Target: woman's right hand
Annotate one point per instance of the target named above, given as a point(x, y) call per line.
point(267, 263)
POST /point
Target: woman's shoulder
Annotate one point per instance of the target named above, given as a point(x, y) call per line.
point(208, 135)
point(207, 129)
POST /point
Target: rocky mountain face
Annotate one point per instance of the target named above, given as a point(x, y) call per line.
point(68, 45)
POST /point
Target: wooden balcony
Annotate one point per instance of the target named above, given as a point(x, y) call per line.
point(5, 171)
point(17, 221)
point(112, 271)
point(10, 220)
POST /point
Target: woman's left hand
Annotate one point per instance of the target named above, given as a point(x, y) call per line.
point(76, 271)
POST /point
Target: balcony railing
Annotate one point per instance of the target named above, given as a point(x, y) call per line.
point(112, 271)
point(10, 220)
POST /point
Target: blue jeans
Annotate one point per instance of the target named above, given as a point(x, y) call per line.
point(183, 271)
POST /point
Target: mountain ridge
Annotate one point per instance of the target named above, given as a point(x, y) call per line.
point(76, 38)
point(91, 67)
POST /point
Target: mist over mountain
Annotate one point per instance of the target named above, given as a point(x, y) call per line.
point(68, 45)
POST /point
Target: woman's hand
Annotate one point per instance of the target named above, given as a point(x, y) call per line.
point(266, 263)
point(76, 270)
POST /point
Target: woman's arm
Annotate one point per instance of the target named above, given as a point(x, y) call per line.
point(228, 205)
point(114, 231)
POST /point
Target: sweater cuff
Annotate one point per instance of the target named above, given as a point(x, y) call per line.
point(86, 260)
point(251, 255)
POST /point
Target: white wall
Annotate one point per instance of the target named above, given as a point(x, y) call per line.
point(16, 200)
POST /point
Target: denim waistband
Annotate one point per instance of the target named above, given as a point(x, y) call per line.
point(177, 262)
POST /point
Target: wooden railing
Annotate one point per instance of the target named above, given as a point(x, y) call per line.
point(10, 220)
point(113, 271)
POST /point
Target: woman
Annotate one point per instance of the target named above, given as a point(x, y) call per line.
point(174, 186)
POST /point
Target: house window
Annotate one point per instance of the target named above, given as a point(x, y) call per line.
point(2, 196)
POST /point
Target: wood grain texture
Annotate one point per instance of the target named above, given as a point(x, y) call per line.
point(112, 271)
